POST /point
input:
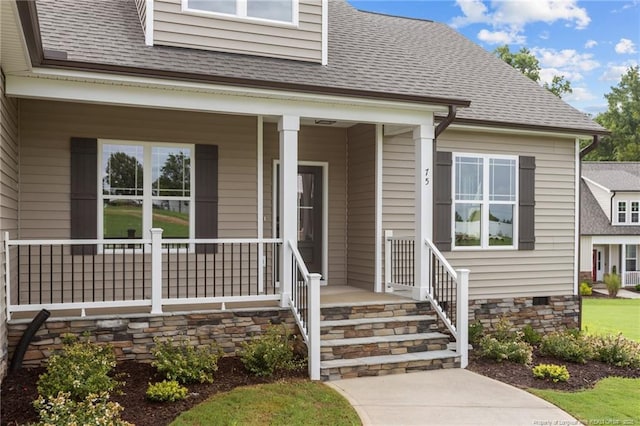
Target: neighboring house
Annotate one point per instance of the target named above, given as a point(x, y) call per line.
point(214, 120)
point(610, 221)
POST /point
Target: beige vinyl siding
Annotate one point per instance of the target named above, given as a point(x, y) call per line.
point(586, 254)
point(322, 144)
point(141, 7)
point(361, 203)
point(45, 160)
point(603, 197)
point(546, 271)
point(398, 184)
point(9, 155)
point(173, 27)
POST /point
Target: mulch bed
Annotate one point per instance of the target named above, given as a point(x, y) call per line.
point(582, 376)
point(19, 390)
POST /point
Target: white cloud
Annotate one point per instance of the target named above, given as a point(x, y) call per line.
point(500, 37)
point(566, 60)
point(614, 71)
point(516, 14)
point(590, 43)
point(547, 74)
point(544, 35)
point(625, 46)
point(579, 94)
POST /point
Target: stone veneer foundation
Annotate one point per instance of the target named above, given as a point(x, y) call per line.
point(559, 313)
point(132, 336)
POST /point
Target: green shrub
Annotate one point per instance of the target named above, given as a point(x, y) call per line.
point(585, 289)
point(616, 350)
point(476, 330)
point(80, 368)
point(612, 281)
point(505, 345)
point(166, 391)
point(569, 345)
point(553, 372)
point(530, 335)
point(184, 362)
point(637, 287)
point(95, 409)
point(272, 351)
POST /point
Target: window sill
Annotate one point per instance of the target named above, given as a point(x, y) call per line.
point(490, 248)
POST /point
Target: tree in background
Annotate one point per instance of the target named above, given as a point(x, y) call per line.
point(622, 119)
point(525, 62)
point(123, 175)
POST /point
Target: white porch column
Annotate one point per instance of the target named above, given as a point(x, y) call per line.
point(623, 264)
point(288, 127)
point(423, 136)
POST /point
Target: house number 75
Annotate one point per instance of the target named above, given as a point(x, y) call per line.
point(426, 177)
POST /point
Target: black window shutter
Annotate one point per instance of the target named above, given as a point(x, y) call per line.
point(206, 196)
point(442, 200)
point(527, 220)
point(84, 193)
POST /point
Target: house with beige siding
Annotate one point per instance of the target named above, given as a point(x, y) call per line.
point(610, 221)
point(207, 168)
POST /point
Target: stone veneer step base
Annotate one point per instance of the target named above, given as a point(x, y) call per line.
point(387, 364)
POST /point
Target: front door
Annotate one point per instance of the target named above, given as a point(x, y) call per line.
point(310, 215)
point(599, 263)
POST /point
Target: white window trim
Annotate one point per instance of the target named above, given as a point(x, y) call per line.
point(628, 213)
point(147, 198)
point(241, 14)
point(626, 247)
point(485, 202)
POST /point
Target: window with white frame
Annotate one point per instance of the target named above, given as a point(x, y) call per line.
point(145, 185)
point(631, 257)
point(627, 212)
point(271, 10)
point(485, 201)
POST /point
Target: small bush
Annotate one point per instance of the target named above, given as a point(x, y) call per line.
point(530, 335)
point(612, 281)
point(616, 350)
point(637, 287)
point(553, 372)
point(184, 362)
point(80, 368)
point(166, 391)
point(270, 352)
point(585, 289)
point(569, 345)
point(95, 409)
point(505, 345)
point(476, 330)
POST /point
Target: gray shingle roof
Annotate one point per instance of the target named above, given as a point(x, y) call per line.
point(367, 51)
point(615, 176)
point(594, 221)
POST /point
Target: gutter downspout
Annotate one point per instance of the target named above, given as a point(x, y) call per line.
point(593, 145)
point(441, 127)
point(446, 122)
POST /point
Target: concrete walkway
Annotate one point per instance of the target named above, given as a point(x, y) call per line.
point(622, 293)
point(446, 397)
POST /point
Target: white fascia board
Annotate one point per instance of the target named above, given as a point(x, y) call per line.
point(615, 239)
point(111, 89)
point(325, 32)
point(515, 131)
point(594, 183)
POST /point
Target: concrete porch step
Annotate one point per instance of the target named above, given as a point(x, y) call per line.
point(381, 326)
point(387, 364)
point(382, 345)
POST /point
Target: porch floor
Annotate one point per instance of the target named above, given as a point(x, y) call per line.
point(330, 296)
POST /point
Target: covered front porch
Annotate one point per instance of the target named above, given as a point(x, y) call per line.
point(617, 257)
point(267, 207)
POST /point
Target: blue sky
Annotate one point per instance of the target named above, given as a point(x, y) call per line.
point(591, 43)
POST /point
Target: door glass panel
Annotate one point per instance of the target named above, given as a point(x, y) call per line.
point(305, 206)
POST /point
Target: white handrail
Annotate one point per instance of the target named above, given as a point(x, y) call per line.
point(442, 259)
point(301, 265)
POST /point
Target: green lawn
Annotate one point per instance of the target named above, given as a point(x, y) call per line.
point(613, 401)
point(612, 316)
point(283, 403)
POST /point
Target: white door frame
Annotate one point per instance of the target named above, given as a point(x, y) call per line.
point(325, 210)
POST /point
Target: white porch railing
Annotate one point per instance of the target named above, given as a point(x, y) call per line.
point(447, 289)
point(631, 278)
point(305, 305)
point(156, 272)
